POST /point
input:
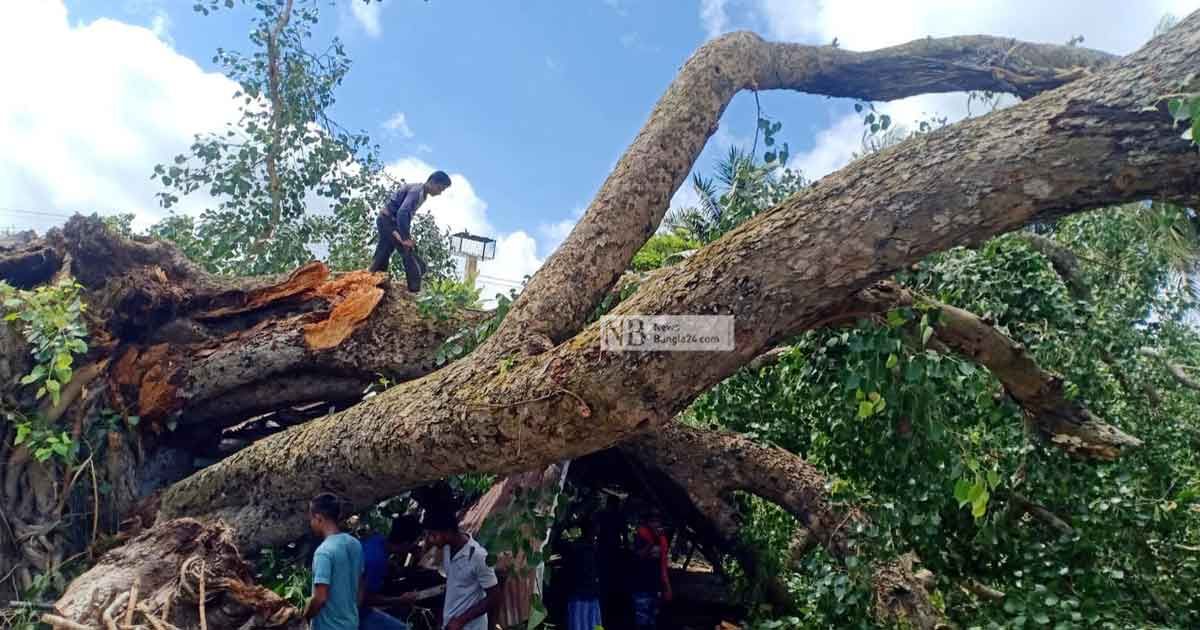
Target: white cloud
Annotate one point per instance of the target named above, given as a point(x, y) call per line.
point(617, 5)
point(367, 16)
point(832, 148)
point(1112, 25)
point(160, 25)
point(98, 105)
point(516, 257)
point(555, 232)
point(398, 123)
point(714, 16)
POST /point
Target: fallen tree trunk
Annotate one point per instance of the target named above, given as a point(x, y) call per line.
point(857, 225)
point(536, 394)
point(198, 349)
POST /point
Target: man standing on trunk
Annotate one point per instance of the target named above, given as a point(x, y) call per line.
point(337, 569)
point(472, 588)
point(395, 227)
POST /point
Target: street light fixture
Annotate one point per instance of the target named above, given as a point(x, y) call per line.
point(473, 248)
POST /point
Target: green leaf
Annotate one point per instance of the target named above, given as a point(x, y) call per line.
point(962, 490)
point(895, 318)
point(926, 334)
point(537, 615)
point(865, 409)
point(36, 373)
point(1176, 109)
point(993, 479)
point(858, 107)
point(892, 360)
point(979, 505)
point(23, 431)
point(913, 371)
point(884, 121)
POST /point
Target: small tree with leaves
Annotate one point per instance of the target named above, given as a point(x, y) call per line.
point(287, 179)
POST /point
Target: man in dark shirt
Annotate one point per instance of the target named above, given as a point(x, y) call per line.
point(401, 541)
point(395, 227)
point(583, 579)
point(612, 547)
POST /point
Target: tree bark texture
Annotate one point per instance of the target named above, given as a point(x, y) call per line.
point(1088, 144)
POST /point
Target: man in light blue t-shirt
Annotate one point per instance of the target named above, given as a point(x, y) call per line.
point(337, 570)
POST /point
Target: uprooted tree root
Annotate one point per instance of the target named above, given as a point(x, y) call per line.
point(158, 579)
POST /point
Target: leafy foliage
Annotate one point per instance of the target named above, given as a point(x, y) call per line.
point(43, 441)
point(51, 319)
point(284, 574)
point(933, 449)
point(461, 343)
point(517, 531)
point(443, 297)
point(661, 248)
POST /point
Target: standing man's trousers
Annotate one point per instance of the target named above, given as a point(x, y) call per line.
point(414, 267)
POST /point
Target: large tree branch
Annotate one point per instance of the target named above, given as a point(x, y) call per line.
point(1089, 144)
point(711, 466)
point(1064, 262)
point(1066, 423)
point(631, 202)
point(1175, 369)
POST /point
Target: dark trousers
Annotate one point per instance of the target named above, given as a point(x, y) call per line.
point(414, 267)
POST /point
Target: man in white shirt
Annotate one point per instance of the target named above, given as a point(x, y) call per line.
point(472, 588)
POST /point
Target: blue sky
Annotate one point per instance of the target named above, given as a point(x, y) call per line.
point(528, 104)
point(533, 105)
